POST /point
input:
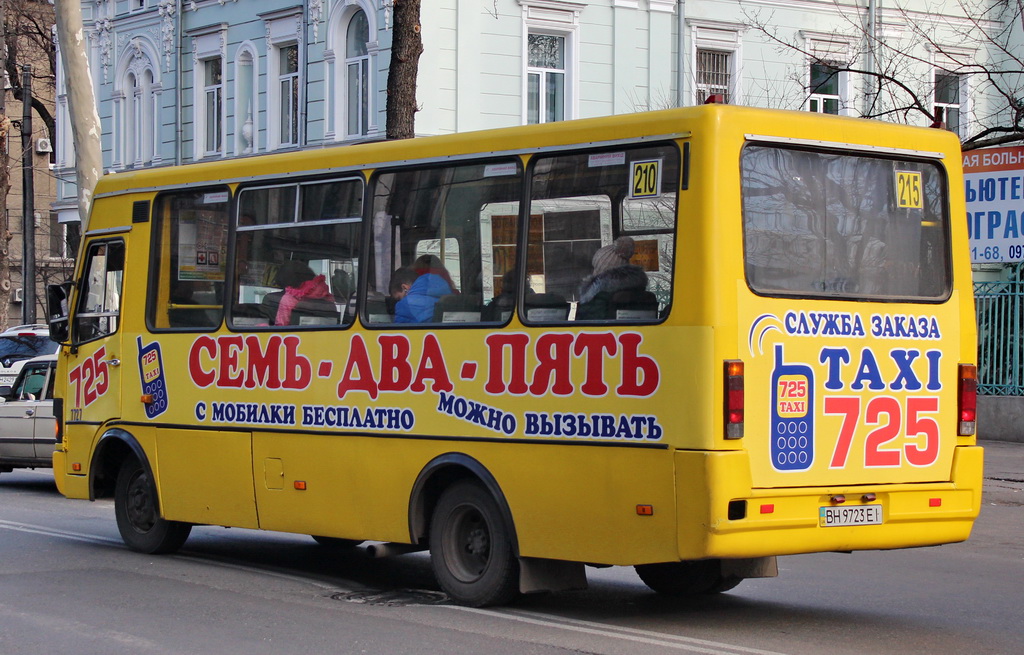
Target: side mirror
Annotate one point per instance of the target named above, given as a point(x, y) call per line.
point(6, 391)
point(58, 302)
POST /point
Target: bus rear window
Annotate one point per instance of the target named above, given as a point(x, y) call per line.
point(844, 225)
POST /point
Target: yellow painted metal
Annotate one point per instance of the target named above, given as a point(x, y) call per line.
point(572, 498)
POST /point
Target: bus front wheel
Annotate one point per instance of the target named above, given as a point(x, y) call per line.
point(470, 548)
point(687, 578)
point(138, 516)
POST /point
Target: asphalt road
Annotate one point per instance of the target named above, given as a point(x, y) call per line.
point(68, 585)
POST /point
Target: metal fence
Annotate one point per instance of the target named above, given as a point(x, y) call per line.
point(1000, 310)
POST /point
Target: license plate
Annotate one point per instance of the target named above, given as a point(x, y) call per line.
point(833, 517)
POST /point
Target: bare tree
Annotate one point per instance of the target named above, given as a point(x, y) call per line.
point(28, 37)
point(406, 48)
point(982, 40)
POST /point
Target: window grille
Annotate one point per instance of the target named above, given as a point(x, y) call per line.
point(714, 74)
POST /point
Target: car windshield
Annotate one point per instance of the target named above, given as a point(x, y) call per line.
point(24, 346)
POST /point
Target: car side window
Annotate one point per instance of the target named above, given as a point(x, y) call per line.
point(32, 384)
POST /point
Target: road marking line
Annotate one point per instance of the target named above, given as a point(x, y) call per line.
point(200, 557)
point(691, 644)
point(38, 529)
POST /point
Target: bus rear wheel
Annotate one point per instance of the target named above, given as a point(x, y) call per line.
point(138, 515)
point(687, 578)
point(470, 548)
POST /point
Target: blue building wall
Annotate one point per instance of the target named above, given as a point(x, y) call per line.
point(619, 56)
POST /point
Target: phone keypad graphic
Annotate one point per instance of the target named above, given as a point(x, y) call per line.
point(151, 369)
point(792, 429)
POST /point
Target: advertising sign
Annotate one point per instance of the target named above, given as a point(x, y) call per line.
point(994, 185)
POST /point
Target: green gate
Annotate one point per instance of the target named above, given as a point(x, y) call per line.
point(1000, 307)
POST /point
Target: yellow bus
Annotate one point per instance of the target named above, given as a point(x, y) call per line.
point(687, 341)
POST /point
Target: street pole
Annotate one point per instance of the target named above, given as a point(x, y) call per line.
point(5, 127)
point(28, 207)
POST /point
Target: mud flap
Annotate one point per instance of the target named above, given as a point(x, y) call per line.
point(537, 575)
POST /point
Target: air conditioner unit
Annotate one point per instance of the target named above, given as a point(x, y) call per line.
point(19, 295)
point(43, 146)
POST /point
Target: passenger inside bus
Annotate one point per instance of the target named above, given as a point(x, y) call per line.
point(500, 308)
point(616, 286)
point(401, 281)
point(432, 283)
point(305, 299)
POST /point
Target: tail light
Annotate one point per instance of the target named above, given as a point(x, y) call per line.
point(967, 400)
point(733, 399)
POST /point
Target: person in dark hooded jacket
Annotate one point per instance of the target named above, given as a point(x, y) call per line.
point(612, 273)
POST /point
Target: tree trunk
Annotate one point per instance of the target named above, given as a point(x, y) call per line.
point(406, 48)
point(85, 121)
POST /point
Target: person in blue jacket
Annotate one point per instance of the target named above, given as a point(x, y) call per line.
point(417, 304)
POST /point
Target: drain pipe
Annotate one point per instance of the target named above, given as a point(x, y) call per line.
point(177, 83)
point(681, 59)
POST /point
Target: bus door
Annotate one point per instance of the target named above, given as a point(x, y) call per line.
point(94, 361)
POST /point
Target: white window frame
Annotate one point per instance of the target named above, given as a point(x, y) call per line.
point(284, 29)
point(950, 60)
point(337, 71)
point(826, 48)
point(212, 92)
point(136, 99)
point(555, 18)
point(365, 88)
point(720, 37)
point(209, 43)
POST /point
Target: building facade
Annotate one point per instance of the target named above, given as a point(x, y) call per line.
point(30, 157)
point(181, 81)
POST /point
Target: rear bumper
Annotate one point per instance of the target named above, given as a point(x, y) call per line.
point(785, 521)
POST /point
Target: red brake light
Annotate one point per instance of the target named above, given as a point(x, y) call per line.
point(967, 400)
point(733, 399)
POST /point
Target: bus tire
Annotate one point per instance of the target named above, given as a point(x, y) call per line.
point(138, 516)
point(687, 578)
point(336, 543)
point(470, 549)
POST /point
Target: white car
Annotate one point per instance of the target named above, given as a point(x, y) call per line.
point(28, 430)
point(21, 343)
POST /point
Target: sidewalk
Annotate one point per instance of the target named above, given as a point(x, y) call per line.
point(1004, 472)
point(1003, 459)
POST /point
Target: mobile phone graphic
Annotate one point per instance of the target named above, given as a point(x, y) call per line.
point(792, 429)
point(151, 370)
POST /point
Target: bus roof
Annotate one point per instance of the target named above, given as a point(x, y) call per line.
point(734, 120)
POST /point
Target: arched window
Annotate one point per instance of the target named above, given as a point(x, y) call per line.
point(138, 107)
point(357, 73)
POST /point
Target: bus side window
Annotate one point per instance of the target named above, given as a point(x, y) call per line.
point(296, 254)
point(99, 305)
point(455, 227)
point(189, 259)
point(601, 235)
